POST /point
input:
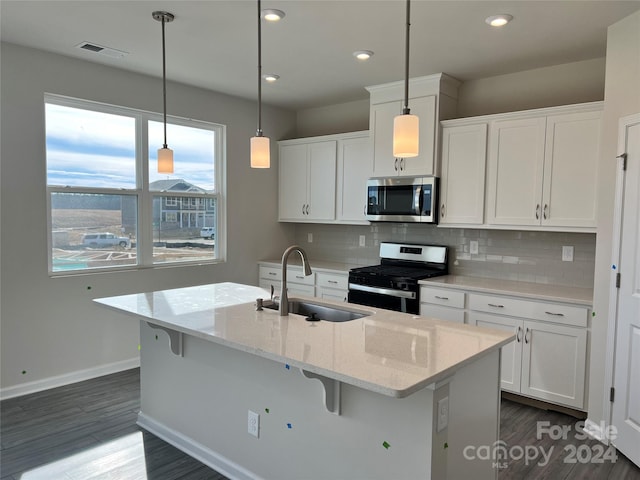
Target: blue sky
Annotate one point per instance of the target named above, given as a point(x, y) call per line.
point(96, 149)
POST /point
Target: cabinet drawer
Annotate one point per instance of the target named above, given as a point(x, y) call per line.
point(442, 313)
point(549, 312)
point(298, 289)
point(271, 273)
point(332, 280)
point(296, 275)
point(449, 298)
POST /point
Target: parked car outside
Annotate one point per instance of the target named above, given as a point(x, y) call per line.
point(105, 239)
point(208, 232)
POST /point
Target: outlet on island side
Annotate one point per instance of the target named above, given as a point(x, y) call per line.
point(253, 424)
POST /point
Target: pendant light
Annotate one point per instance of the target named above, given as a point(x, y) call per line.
point(260, 149)
point(165, 154)
point(406, 131)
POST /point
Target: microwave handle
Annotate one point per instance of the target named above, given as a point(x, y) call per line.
point(417, 200)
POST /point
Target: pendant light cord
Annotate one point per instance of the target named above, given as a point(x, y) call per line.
point(259, 130)
point(164, 86)
point(405, 110)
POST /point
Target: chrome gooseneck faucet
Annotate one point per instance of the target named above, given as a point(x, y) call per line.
point(284, 300)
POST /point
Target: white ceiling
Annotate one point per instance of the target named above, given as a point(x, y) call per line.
point(213, 44)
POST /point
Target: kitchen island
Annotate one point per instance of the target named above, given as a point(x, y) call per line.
point(388, 395)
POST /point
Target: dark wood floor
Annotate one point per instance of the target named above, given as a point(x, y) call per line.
point(88, 431)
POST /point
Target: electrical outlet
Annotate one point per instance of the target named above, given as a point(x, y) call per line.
point(363, 240)
point(473, 247)
point(310, 237)
point(443, 414)
point(253, 424)
point(567, 254)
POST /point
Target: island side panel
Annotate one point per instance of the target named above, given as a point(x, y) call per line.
point(200, 402)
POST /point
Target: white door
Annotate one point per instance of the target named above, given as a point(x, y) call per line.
point(571, 170)
point(554, 360)
point(293, 182)
point(626, 405)
point(425, 109)
point(515, 171)
point(464, 157)
point(511, 354)
point(381, 124)
point(322, 180)
point(355, 167)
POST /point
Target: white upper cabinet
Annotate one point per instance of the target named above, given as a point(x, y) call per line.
point(355, 166)
point(463, 174)
point(571, 170)
point(382, 116)
point(543, 170)
point(432, 99)
point(516, 162)
point(323, 179)
point(307, 181)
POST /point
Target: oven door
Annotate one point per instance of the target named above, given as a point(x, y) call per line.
point(390, 299)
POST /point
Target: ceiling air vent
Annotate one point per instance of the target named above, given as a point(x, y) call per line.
point(99, 49)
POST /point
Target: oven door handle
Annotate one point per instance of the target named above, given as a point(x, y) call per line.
point(383, 291)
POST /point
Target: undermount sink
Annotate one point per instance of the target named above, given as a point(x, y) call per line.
point(316, 311)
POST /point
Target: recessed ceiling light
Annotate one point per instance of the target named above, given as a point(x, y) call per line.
point(272, 15)
point(363, 54)
point(499, 20)
point(270, 77)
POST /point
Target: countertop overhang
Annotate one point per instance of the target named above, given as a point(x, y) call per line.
point(390, 353)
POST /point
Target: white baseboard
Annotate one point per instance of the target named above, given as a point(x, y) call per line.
point(67, 378)
point(218, 462)
point(597, 431)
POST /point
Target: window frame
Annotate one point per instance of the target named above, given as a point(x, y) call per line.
point(144, 239)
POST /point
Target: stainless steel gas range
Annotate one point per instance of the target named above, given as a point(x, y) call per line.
point(393, 284)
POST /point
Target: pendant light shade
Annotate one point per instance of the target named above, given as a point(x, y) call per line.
point(260, 152)
point(406, 132)
point(165, 154)
point(260, 148)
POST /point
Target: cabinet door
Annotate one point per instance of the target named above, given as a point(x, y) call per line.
point(571, 169)
point(553, 363)
point(381, 126)
point(293, 182)
point(322, 180)
point(464, 154)
point(355, 166)
point(511, 354)
point(423, 164)
point(515, 169)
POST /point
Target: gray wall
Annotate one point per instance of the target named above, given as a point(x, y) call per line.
point(622, 98)
point(50, 328)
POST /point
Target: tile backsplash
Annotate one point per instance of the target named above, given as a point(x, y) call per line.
point(504, 254)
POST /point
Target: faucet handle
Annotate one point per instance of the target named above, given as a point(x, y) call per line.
point(259, 303)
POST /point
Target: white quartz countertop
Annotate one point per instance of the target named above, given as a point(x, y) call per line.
point(316, 265)
point(387, 352)
point(537, 291)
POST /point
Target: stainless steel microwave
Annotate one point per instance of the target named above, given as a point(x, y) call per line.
point(402, 199)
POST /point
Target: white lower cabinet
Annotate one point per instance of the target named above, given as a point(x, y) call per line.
point(547, 360)
point(443, 304)
point(332, 286)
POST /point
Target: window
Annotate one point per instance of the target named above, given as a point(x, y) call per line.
point(108, 206)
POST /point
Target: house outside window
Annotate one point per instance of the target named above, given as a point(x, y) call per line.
point(109, 208)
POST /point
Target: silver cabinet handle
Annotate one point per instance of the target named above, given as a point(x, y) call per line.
point(544, 211)
point(300, 276)
point(441, 298)
point(555, 314)
point(401, 164)
point(538, 212)
point(396, 165)
point(307, 212)
point(273, 273)
point(518, 334)
point(332, 281)
point(303, 208)
point(527, 337)
point(442, 210)
point(494, 305)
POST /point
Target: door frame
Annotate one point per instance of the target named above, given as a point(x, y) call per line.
point(612, 323)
